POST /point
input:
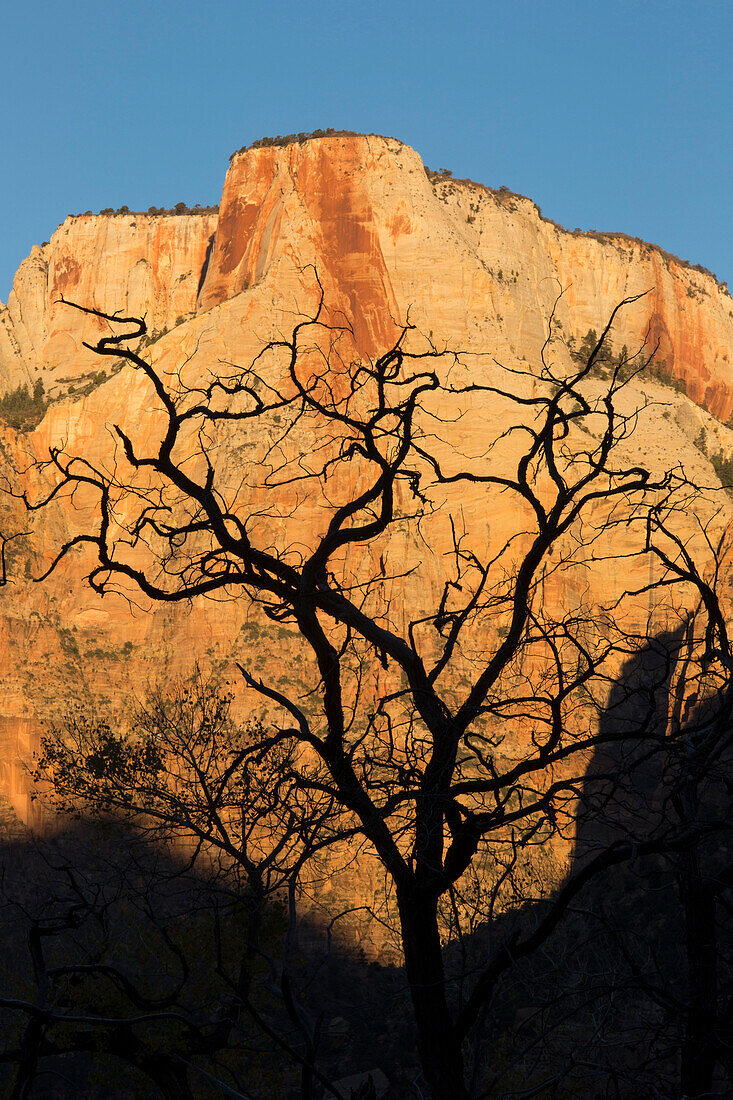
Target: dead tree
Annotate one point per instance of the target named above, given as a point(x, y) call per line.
point(453, 737)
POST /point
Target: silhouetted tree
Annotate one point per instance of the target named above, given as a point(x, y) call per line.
point(452, 736)
point(223, 802)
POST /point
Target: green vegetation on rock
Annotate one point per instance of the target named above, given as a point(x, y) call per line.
point(22, 409)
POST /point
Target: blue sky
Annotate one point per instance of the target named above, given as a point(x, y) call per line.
point(612, 115)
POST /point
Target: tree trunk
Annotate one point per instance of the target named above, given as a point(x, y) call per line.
point(438, 1044)
point(171, 1078)
point(699, 1043)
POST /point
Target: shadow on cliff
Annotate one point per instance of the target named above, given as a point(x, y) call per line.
point(632, 995)
point(613, 1005)
point(205, 265)
point(665, 916)
point(97, 925)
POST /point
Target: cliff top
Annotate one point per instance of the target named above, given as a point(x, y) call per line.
point(440, 178)
point(302, 137)
point(181, 209)
point(510, 198)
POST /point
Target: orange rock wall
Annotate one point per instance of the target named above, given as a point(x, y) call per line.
point(472, 269)
point(134, 263)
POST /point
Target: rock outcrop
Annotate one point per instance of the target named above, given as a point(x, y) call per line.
point(137, 264)
point(364, 212)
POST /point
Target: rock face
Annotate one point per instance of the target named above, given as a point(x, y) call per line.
point(134, 263)
point(473, 269)
point(363, 211)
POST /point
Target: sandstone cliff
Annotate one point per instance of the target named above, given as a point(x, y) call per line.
point(134, 263)
point(362, 210)
point(473, 269)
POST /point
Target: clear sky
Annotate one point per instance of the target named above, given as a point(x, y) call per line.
point(611, 114)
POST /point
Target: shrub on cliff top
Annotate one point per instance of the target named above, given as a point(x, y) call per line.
point(292, 139)
point(179, 208)
point(288, 139)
